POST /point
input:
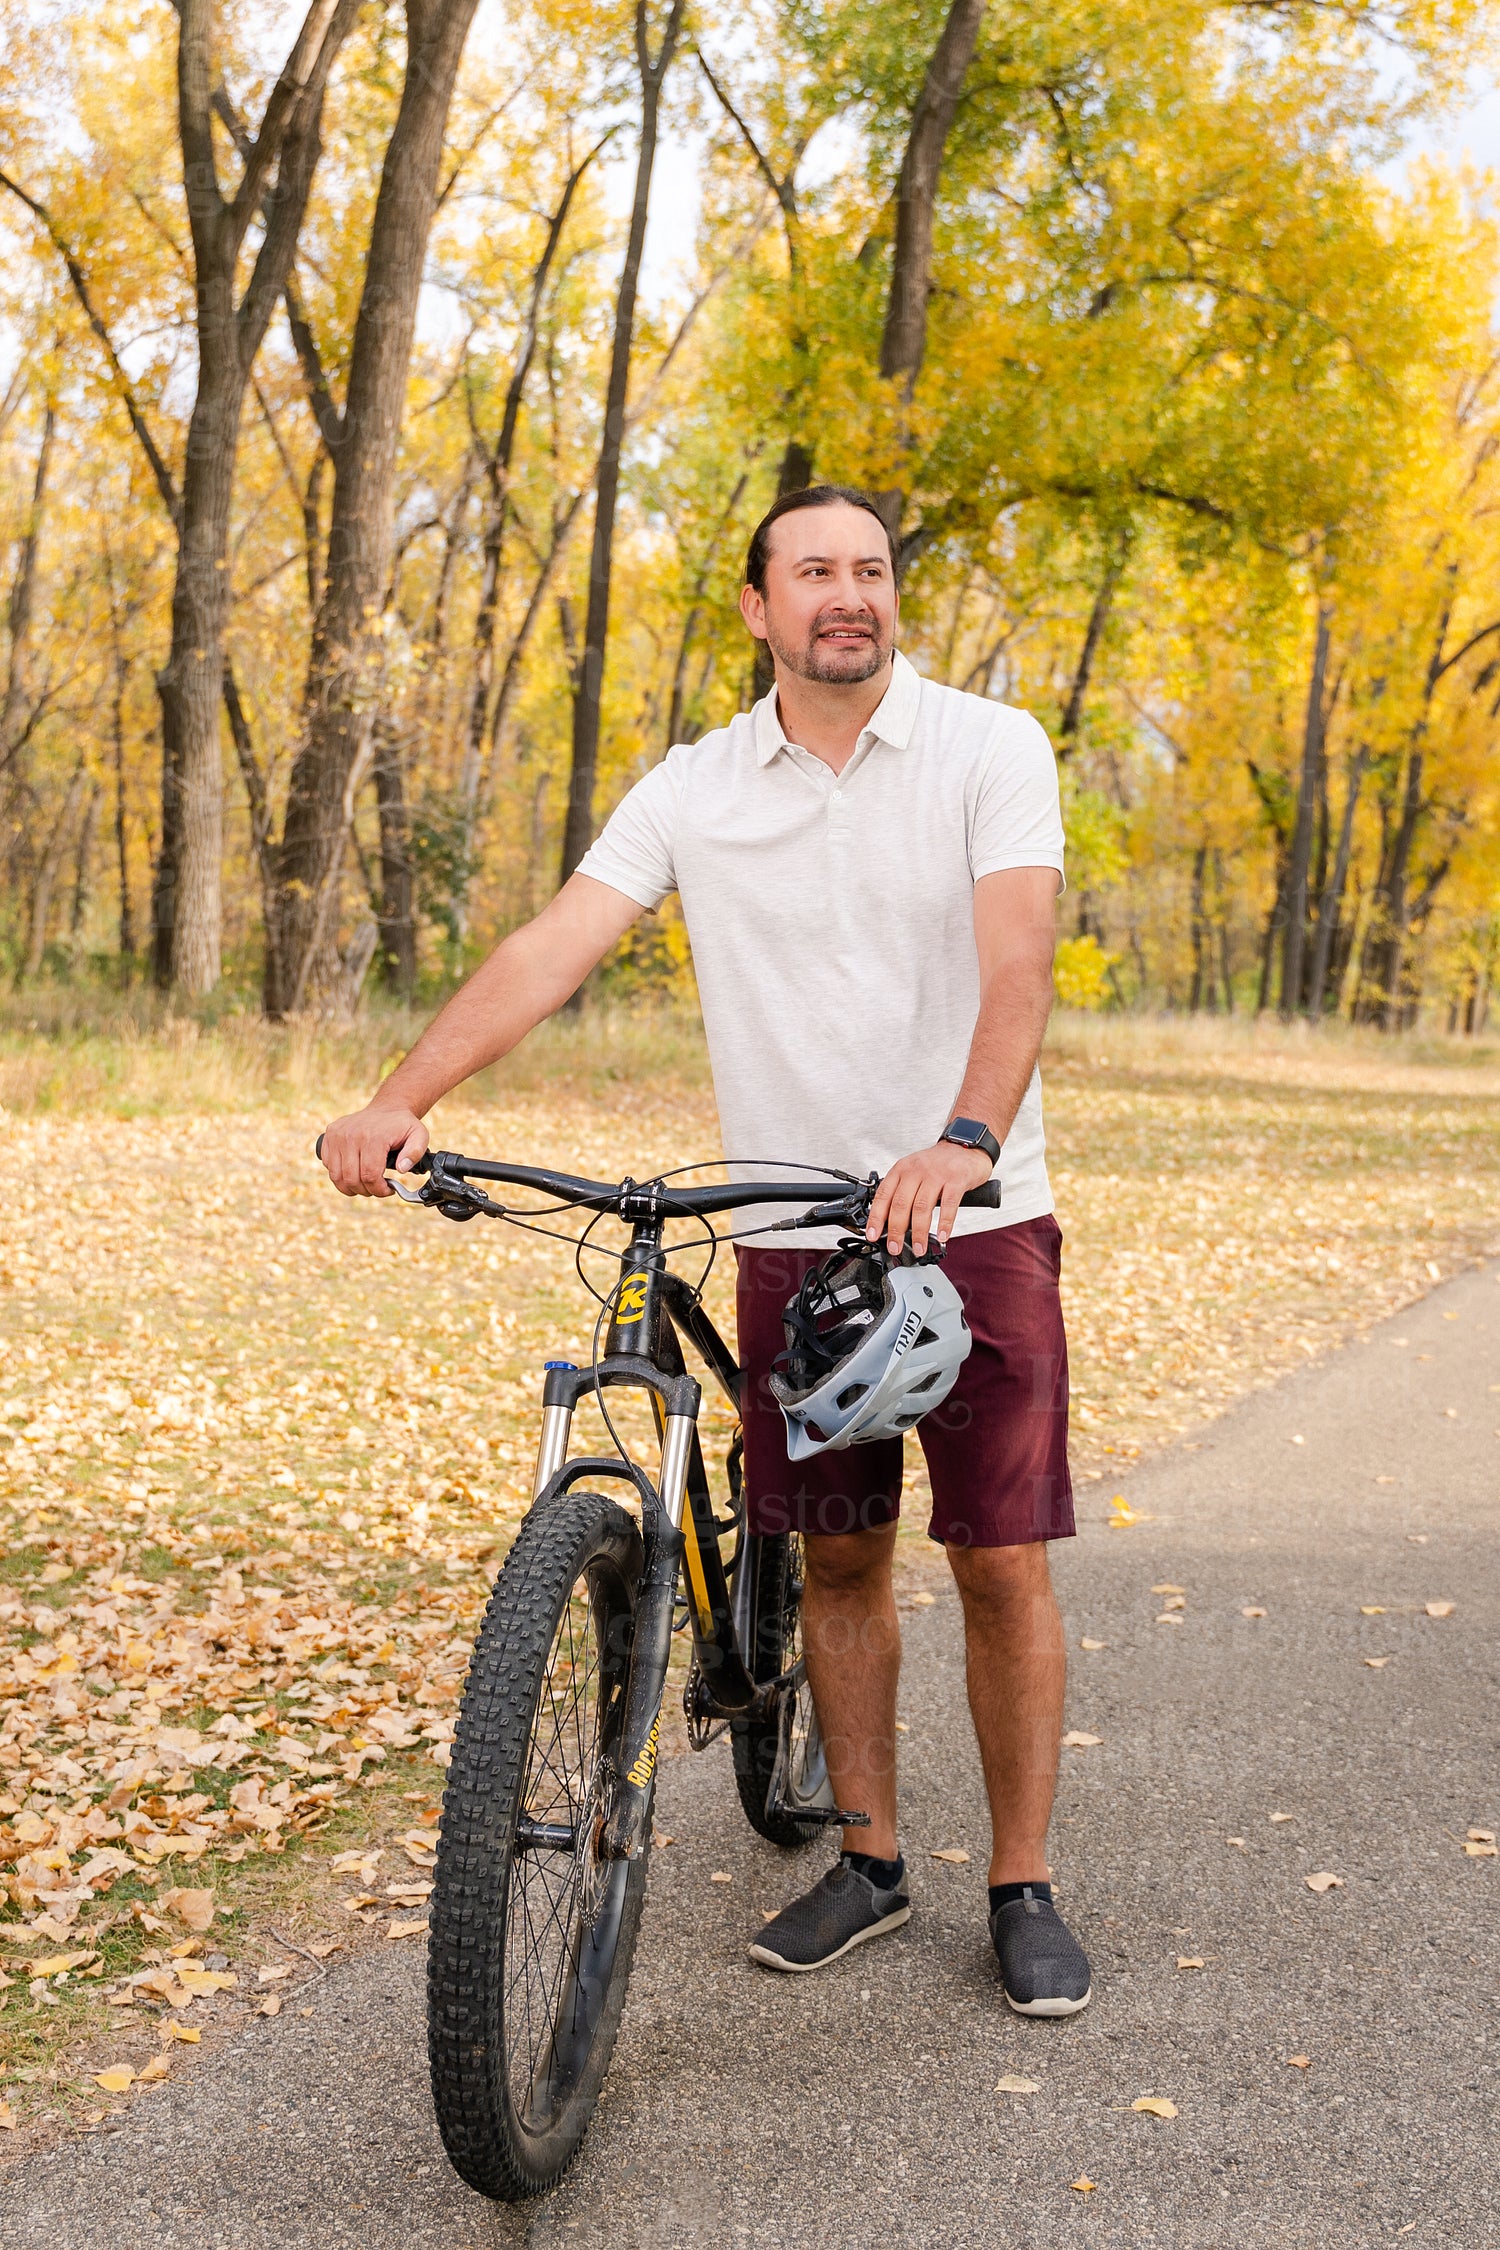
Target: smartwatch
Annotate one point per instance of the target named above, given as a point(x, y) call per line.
point(968, 1132)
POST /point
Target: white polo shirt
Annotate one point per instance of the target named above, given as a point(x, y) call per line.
point(831, 918)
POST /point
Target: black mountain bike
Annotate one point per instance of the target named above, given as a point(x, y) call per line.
point(546, 1827)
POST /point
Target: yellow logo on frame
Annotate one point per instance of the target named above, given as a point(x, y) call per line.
point(631, 1305)
point(645, 1765)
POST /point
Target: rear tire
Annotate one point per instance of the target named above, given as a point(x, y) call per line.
point(776, 1645)
point(532, 1941)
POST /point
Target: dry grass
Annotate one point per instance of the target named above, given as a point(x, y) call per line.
point(265, 1448)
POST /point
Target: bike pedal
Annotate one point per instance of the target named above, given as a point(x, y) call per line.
point(827, 1816)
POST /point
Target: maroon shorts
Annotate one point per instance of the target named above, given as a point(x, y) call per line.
point(997, 1447)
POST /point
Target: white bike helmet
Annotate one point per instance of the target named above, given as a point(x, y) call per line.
point(871, 1348)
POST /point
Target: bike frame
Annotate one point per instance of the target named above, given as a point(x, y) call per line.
point(651, 1306)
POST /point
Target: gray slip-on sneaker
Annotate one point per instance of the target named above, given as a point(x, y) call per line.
point(1043, 1968)
point(842, 1910)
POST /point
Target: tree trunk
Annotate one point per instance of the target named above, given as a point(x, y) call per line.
point(397, 920)
point(187, 905)
point(122, 852)
point(578, 827)
point(84, 861)
point(903, 342)
point(1294, 943)
point(345, 663)
point(497, 462)
point(14, 713)
point(1114, 570)
point(1331, 905)
point(1202, 960)
point(1226, 971)
point(47, 873)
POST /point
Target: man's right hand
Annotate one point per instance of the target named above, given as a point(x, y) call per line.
point(359, 1149)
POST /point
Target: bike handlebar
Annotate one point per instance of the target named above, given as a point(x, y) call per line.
point(630, 1199)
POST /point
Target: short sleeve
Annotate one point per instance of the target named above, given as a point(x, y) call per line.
point(635, 852)
point(1015, 818)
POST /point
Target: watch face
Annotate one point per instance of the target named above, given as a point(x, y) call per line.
point(965, 1131)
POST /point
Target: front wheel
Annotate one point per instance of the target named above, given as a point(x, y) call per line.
point(532, 1933)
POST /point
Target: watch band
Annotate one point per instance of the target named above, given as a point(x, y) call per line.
point(972, 1132)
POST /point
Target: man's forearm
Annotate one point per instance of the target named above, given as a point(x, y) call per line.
point(1014, 1005)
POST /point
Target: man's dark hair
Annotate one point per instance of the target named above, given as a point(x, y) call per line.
point(811, 496)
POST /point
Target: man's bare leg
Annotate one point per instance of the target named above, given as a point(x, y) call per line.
point(853, 1648)
point(1017, 1670)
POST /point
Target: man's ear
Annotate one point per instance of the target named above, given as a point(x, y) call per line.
point(753, 611)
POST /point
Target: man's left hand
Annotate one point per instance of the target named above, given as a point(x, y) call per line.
point(932, 1180)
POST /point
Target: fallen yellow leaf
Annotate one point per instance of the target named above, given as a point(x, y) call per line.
point(1189, 1961)
point(1155, 2106)
point(199, 1981)
point(1167, 1588)
point(1011, 2084)
point(195, 1908)
point(953, 1854)
point(7, 2117)
point(1474, 1849)
point(1375, 1663)
point(271, 2005)
point(1252, 1612)
point(1481, 1835)
point(116, 2078)
point(1086, 1643)
point(1371, 1609)
point(719, 1876)
point(1299, 2062)
point(1076, 1741)
point(188, 2033)
point(407, 1929)
point(924, 1600)
point(1085, 2186)
point(1322, 1883)
point(362, 1864)
point(55, 1963)
point(1277, 1818)
point(1237, 1841)
point(158, 2068)
point(1440, 1609)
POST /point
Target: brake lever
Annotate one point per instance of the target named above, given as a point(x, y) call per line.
point(850, 1210)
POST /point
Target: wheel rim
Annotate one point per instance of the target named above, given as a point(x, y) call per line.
point(565, 1904)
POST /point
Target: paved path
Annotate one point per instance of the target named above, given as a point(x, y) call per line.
point(859, 2108)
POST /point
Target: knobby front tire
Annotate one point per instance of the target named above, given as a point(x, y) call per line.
point(532, 1936)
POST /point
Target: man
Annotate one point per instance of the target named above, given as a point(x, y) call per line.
point(868, 867)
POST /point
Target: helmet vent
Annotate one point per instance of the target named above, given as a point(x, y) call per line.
point(927, 1381)
point(851, 1396)
point(925, 1336)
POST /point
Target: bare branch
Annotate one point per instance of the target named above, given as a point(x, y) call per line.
point(166, 484)
point(301, 78)
point(325, 413)
point(781, 189)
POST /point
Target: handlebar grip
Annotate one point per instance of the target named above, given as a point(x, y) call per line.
point(318, 1148)
point(986, 1198)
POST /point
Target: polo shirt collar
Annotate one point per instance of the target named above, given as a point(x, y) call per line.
point(892, 720)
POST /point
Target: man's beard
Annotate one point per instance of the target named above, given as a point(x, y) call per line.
point(843, 667)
